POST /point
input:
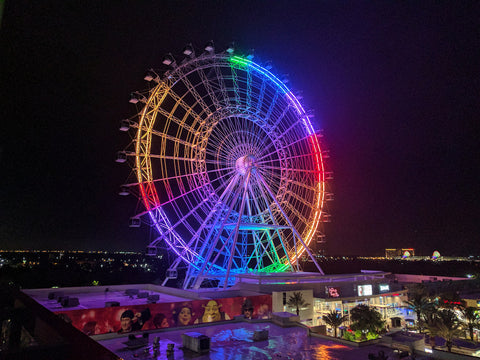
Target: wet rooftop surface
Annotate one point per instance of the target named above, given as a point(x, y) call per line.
point(235, 341)
point(93, 300)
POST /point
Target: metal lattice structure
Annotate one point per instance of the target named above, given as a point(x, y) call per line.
point(228, 167)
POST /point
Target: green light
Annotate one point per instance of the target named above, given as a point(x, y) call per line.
point(239, 61)
point(275, 268)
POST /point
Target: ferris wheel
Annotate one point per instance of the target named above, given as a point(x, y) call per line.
point(228, 167)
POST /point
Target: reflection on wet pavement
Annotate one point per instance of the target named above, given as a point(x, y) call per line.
point(294, 344)
point(235, 341)
point(327, 352)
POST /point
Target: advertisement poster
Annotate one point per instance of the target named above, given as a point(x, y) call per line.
point(333, 292)
point(364, 290)
point(125, 319)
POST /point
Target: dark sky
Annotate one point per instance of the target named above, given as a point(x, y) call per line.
point(394, 85)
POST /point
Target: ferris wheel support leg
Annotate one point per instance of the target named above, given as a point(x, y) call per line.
point(275, 223)
point(252, 194)
point(237, 227)
point(215, 241)
point(254, 235)
point(293, 229)
point(217, 217)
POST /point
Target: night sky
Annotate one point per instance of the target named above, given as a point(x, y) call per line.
point(394, 85)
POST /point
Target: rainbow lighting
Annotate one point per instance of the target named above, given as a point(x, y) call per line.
point(228, 167)
point(312, 138)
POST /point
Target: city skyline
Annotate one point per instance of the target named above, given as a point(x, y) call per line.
point(394, 86)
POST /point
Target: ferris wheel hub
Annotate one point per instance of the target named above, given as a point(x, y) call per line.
point(246, 164)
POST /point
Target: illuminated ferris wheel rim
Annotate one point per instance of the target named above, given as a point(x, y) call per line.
point(145, 132)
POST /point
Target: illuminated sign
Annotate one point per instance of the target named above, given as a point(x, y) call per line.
point(333, 292)
point(452, 302)
point(364, 290)
point(384, 287)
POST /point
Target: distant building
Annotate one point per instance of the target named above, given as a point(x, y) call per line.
point(398, 253)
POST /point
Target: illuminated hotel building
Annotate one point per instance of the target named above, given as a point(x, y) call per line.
point(398, 253)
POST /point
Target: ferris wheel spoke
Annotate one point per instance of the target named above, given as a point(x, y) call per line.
point(272, 174)
point(218, 156)
point(227, 173)
point(186, 216)
point(170, 117)
point(172, 138)
point(305, 247)
point(171, 200)
point(272, 177)
point(207, 84)
point(179, 159)
point(168, 157)
point(303, 185)
point(231, 254)
point(181, 176)
point(187, 193)
point(215, 211)
point(264, 147)
point(188, 108)
point(295, 212)
point(282, 243)
point(221, 83)
point(272, 105)
point(221, 205)
point(213, 244)
point(307, 155)
point(192, 175)
point(235, 86)
point(261, 96)
point(195, 94)
point(278, 168)
point(249, 88)
point(290, 144)
point(280, 118)
point(269, 238)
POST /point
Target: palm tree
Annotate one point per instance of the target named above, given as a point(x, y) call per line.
point(367, 319)
point(429, 317)
point(446, 325)
point(419, 302)
point(471, 319)
point(296, 300)
point(334, 319)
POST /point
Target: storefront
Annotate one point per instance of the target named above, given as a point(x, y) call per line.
point(389, 304)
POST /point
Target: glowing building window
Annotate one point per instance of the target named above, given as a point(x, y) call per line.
point(364, 290)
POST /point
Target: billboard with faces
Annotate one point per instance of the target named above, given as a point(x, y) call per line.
point(125, 319)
